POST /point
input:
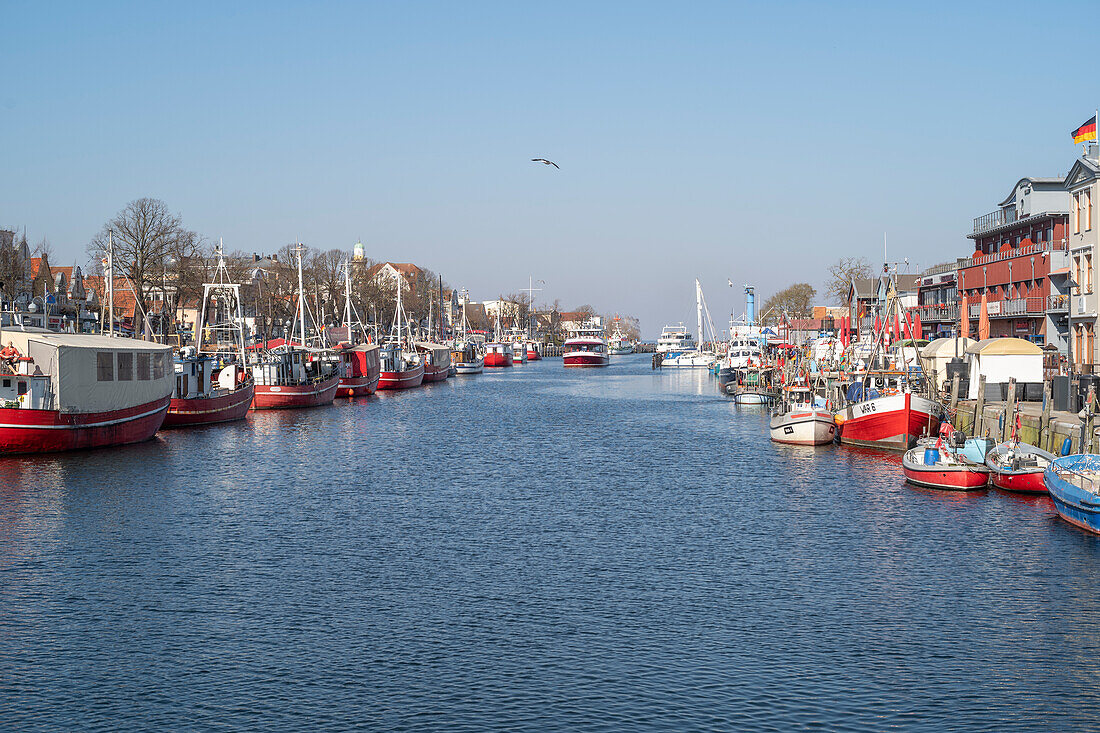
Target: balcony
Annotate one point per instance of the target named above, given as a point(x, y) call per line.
point(1058, 304)
point(994, 219)
point(1022, 251)
point(943, 313)
point(940, 269)
point(1011, 308)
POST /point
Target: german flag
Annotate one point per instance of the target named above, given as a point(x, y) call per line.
point(1085, 132)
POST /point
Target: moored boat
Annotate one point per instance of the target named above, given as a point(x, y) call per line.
point(798, 421)
point(359, 369)
point(213, 387)
point(293, 375)
point(519, 352)
point(941, 469)
point(63, 392)
point(893, 418)
point(533, 351)
point(1015, 466)
point(498, 354)
point(436, 359)
point(1074, 485)
point(400, 369)
point(202, 398)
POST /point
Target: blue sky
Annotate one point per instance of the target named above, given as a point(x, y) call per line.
point(755, 142)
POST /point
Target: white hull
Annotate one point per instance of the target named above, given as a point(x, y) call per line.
point(471, 368)
point(804, 426)
point(751, 398)
point(689, 360)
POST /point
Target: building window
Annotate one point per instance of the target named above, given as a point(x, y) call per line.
point(105, 366)
point(125, 366)
point(1077, 271)
point(1090, 343)
point(1088, 208)
point(1088, 273)
point(1076, 213)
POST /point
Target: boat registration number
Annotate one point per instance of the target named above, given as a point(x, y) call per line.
point(866, 408)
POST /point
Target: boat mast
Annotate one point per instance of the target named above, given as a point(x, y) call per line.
point(347, 299)
point(699, 311)
point(301, 297)
point(110, 285)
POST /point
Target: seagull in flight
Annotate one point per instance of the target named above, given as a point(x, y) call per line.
point(544, 161)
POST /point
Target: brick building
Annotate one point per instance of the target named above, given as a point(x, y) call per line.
point(1019, 262)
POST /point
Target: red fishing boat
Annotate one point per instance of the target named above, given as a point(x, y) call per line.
point(533, 351)
point(63, 392)
point(1015, 466)
point(400, 369)
point(201, 398)
point(894, 421)
point(436, 359)
point(359, 368)
point(205, 394)
point(402, 365)
point(294, 375)
point(586, 348)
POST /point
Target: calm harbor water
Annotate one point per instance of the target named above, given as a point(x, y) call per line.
point(532, 549)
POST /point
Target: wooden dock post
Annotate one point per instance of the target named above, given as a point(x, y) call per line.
point(1010, 410)
point(1089, 437)
point(979, 409)
point(1044, 420)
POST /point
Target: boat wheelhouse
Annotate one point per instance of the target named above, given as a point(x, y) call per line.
point(437, 360)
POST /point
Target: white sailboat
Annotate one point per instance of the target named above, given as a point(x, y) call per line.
point(699, 357)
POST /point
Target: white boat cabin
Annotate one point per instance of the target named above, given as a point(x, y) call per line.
point(195, 376)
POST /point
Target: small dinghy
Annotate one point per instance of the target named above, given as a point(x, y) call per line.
point(1015, 466)
point(928, 466)
point(1074, 485)
point(952, 462)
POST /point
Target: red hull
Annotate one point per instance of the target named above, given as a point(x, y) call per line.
point(586, 360)
point(209, 410)
point(893, 429)
point(957, 480)
point(402, 380)
point(289, 398)
point(493, 359)
point(435, 374)
point(49, 431)
point(533, 355)
point(357, 386)
point(1025, 483)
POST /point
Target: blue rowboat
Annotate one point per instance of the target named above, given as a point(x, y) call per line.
point(1074, 484)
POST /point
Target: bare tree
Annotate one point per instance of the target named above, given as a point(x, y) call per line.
point(146, 236)
point(841, 275)
point(43, 248)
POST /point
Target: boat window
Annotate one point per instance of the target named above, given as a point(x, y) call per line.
point(7, 383)
point(144, 373)
point(22, 388)
point(125, 366)
point(158, 365)
point(105, 366)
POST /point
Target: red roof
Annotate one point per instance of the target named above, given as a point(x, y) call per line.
point(125, 299)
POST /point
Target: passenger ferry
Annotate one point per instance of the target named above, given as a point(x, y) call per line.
point(675, 338)
point(586, 348)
